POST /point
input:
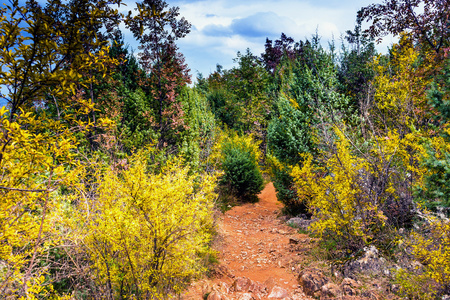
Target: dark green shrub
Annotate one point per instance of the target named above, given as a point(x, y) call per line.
point(241, 169)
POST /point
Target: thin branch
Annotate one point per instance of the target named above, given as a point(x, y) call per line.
point(39, 237)
point(422, 30)
point(26, 190)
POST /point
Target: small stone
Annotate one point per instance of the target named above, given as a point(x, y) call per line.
point(293, 241)
point(241, 284)
point(270, 283)
point(222, 287)
point(206, 288)
point(351, 282)
point(330, 290)
point(246, 296)
point(214, 296)
point(278, 293)
point(257, 288)
point(395, 288)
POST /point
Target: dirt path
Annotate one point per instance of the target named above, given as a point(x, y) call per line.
point(259, 256)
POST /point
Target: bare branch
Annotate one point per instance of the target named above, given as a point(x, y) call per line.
point(27, 190)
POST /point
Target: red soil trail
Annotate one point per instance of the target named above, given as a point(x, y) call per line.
point(254, 243)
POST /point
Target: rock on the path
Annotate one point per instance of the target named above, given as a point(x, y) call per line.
point(278, 293)
point(312, 280)
point(258, 289)
point(206, 288)
point(221, 271)
point(270, 283)
point(241, 284)
point(293, 241)
point(330, 290)
point(216, 296)
point(246, 296)
point(221, 287)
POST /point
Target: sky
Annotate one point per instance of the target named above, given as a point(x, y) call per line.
point(221, 28)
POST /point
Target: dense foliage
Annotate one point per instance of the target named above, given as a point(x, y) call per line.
point(112, 165)
point(146, 234)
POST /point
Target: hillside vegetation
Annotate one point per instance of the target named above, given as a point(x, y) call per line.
point(113, 167)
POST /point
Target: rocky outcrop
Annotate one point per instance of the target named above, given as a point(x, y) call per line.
point(312, 280)
point(316, 284)
point(369, 262)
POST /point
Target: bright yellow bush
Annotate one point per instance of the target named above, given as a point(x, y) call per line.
point(355, 192)
point(335, 195)
point(399, 98)
point(395, 159)
point(41, 75)
point(432, 249)
point(146, 234)
point(33, 164)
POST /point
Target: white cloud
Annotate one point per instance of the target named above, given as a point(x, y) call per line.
point(220, 28)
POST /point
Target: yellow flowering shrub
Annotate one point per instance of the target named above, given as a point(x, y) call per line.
point(146, 234)
point(336, 197)
point(35, 159)
point(394, 165)
point(399, 90)
point(432, 249)
point(354, 192)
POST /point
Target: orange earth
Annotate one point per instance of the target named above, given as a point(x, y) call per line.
point(254, 243)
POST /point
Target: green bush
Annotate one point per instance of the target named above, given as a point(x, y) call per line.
point(436, 191)
point(241, 169)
